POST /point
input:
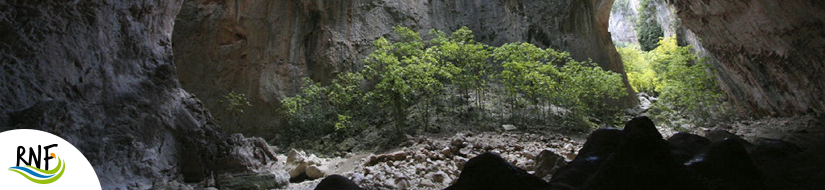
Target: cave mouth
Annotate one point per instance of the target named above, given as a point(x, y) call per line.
point(218, 73)
point(127, 101)
point(229, 59)
point(218, 66)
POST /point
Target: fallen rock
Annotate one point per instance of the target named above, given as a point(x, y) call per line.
point(465, 151)
point(396, 156)
point(684, 145)
point(299, 178)
point(296, 163)
point(252, 153)
point(401, 183)
point(426, 183)
point(491, 171)
point(726, 165)
point(508, 127)
point(599, 145)
point(720, 135)
point(788, 166)
point(296, 170)
point(357, 178)
point(460, 162)
point(641, 161)
point(528, 155)
point(528, 164)
point(337, 182)
point(316, 172)
point(269, 180)
point(439, 177)
point(420, 156)
point(295, 156)
point(547, 163)
point(458, 142)
point(447, 151)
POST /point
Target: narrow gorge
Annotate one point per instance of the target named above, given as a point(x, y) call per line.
point(264, 48)
point(141, 88)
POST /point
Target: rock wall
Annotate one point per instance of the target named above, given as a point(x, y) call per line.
point(623, 18)
point(622, 26)
point(262, 48)
point(100, 74)
point(770, 53)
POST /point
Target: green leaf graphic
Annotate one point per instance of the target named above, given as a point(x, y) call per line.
point(45, 181)
point(52, 171)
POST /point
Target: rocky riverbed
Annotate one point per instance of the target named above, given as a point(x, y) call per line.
point(433, 162)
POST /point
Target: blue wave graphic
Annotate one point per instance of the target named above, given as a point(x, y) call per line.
point(31, 172)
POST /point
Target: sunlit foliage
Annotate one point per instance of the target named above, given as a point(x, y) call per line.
point(408, 77)
point(675, 75)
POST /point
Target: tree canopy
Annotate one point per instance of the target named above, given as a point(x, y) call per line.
point(409, 77)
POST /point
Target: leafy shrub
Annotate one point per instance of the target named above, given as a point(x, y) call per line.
point(235, 103)
point(309, 110)
point(681, 81)
point(639, 70)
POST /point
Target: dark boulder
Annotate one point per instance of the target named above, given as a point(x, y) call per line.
point(263, 180)
point(599, 145)
point(601, 142)
point(720, 135)
point(726, 165)
point(490, 171)
point(684, 145)
point(641, 161)
point(788, 166)
point(337, 182)
point(548, 162)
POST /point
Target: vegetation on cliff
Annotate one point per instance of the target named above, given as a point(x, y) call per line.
point(648, 30)
point(408, 81)
point(683, 83)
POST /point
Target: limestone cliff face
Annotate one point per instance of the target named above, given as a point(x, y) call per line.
point(263, 48)
point(100, 74)
point(622, 26)
point(770, 53)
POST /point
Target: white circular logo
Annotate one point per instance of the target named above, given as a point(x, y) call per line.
point(39, 160)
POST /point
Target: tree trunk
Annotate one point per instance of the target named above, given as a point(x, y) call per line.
point(398, 113)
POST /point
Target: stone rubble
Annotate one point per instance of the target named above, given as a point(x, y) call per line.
point(435, 163)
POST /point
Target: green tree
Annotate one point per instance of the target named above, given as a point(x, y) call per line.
point(683, 80)
point(552, 77)
point(345, 97)
point(675, 75)
point(639, 69)
point(404, 72)
point(308, 112)
point(309, 116)
point(405, 76)
point(524, 72)
point(465, 59)
point(586, 87)
point(319, 110)
point(391, 90)
point(648, 30)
